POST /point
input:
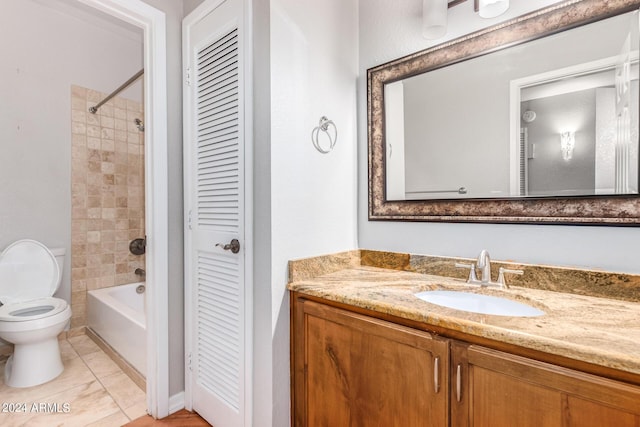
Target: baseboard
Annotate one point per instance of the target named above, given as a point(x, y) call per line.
point(176, 402)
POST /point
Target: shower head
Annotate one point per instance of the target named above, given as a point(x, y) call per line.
point(140, 125)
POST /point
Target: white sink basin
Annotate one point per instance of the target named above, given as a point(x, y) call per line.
point(478, 303)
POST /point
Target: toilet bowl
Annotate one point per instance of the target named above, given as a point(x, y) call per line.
point(30, 317)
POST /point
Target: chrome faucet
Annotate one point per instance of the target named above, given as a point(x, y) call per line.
point(484, 264)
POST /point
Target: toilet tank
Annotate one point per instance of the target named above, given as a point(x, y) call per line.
point(59, 253)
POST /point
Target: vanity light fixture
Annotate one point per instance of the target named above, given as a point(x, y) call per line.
point(567, 144)
point(491, 8)
point(434, 18)
point(434, 14)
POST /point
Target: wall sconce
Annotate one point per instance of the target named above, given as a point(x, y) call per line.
point(434, 14)
point(567, 144)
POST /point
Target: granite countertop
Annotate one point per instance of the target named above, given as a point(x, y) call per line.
point(596, 330)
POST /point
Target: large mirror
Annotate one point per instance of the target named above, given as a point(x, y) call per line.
point(535, 120)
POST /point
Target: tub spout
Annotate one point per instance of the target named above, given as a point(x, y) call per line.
point(140, 272)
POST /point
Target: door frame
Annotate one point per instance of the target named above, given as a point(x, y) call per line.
point(153, 23)
point(199, 13)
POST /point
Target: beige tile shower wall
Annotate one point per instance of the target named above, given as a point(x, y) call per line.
point(107, 178)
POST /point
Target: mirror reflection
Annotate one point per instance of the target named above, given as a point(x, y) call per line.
point(557, 116)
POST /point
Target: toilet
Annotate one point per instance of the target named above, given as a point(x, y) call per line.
point(30, 317)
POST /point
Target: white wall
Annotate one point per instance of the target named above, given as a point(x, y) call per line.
point(44, 52)
point(389, 30)
point(190, 5)
point(548, 172)
point(312, 65)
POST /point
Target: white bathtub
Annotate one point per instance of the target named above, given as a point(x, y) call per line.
point(116, 314)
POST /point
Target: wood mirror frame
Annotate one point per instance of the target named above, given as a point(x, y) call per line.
point(595, 210)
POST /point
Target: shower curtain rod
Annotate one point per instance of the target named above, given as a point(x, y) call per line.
point(135, 77)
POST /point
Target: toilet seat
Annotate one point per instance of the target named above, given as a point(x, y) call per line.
point(32, 310)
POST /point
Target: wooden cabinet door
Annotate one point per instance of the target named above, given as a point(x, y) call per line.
point(352, 370)
point(496, 389)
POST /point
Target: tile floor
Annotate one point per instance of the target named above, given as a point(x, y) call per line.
point(92, 391)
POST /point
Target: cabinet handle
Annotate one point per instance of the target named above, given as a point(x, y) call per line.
point(459, 383)
point(436, 374)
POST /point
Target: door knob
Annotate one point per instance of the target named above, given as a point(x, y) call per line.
point(233, 246)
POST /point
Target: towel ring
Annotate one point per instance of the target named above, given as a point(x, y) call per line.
point(325, 125)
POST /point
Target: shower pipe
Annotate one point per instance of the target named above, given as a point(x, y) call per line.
point(135, 77)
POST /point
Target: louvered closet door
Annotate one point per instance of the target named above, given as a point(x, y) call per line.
point(216, 275)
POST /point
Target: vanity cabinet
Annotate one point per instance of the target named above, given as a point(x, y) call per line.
point(354, 370)
point(497, 389)
point(349, 369)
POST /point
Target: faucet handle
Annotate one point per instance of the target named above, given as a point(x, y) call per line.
point(503, 270)
point(472, 271)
